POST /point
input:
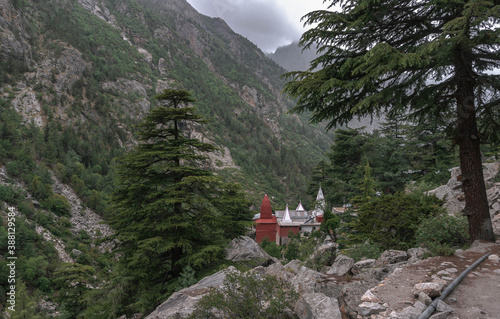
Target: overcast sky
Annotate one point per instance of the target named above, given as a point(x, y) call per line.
point(267, 23)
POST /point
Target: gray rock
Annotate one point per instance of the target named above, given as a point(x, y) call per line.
point(324, 255)
point(370, 308)
point(424, 298)
point(441, 315)
point(246, 249)
point(431, 289)
point(443, 307)
point(183, 302)
point(76, 252)
point(391, 257)
point(417, 253)
point(361, 265)
point(317, 306)
point(341, 265)
point(412, 312)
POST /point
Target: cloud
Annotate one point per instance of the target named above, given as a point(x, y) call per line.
point(263, 22)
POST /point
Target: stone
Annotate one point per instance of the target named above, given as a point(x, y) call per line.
point(412, 312)
point(183, 302)
point(369, 297)
point(416, 254)
point(370, 308)
point(325, 255)
point(443, 307)
point(341, 266)
point(317, 306)
point(391, 257)
point(246, 249)
point(76, 252)
point(431, 289)
point(494, 258)
point(424, 298)
point(441, 315)
point(363, 264)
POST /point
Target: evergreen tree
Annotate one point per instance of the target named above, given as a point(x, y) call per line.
point(365, 190)
point(168, 210)
point(422, 58)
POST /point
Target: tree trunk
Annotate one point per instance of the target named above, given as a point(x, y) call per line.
point(468, 139)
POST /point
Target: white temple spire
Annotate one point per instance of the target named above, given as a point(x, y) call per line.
point(286, 217)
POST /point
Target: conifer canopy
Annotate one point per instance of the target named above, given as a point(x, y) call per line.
point(422, 59)
point(169, 210)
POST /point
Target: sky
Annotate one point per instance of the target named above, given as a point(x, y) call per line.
point(267, 23)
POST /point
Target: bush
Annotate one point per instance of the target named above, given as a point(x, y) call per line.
point(391, 220)
point(247, 296)
point(59, 205)
point(271, 248)
point(443, 233)
point(368, 249)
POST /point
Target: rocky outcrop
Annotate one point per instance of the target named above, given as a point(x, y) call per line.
point(454, 198)
point(182, 303)
point(246, 249)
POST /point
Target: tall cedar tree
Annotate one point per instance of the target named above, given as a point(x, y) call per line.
point(422, 58)
point(168, 210)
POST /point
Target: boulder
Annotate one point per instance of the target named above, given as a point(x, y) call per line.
point(341, 265)
point(323, 256)
point(369, 297)
point(424, 298)
point(246, 249)
point(431, 289)
point(317, 306)
point(412, 312)
point(370, 308)
point(361, 265)
point(391, 257)
point(417, 254)
point(182, 303)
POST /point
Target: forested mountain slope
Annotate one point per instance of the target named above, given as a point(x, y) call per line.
point(83, 72)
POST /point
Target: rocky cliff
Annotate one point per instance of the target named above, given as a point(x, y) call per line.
point(97, 64)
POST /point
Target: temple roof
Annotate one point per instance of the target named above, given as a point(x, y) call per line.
point(300, 207)
point(265, 208)
point(286, 217)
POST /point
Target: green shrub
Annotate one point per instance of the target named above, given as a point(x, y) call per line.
point(43, 283)
point(391, 220)
point(443, 233)
point(10, 195)
point(187, 278)
point(59, 205)
point(247, 296)
point(368, 249)
point(271, 248)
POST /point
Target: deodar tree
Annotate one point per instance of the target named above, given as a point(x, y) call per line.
point(169, 211)
point(422, 59)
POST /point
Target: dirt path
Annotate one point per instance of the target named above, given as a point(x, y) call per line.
point(476, 297)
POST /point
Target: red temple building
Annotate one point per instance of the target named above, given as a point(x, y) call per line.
point(266, 224)
point(277, 226)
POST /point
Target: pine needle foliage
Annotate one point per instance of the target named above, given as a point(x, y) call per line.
point(419, 58)
point(169, 211)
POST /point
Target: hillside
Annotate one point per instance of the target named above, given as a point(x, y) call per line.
point(89, 70)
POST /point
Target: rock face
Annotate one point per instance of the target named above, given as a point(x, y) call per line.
point(246, 249)
point(182, 303)
point(341, 265)
point(454, 198)
point(391, 257)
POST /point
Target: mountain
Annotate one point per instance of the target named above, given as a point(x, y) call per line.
point(292, 57)
point(84, 72)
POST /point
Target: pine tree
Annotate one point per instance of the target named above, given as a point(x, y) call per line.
point(420, 58)
point(168, 210)
point(365, 190)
